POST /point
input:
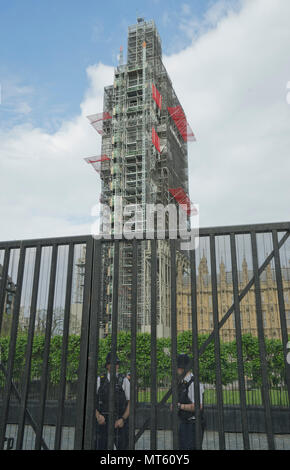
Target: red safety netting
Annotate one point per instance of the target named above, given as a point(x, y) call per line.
point(182, 198)
point(155, 140)
point(182, 125)
point(97, 120)
point(156, 96)
point(97, 161)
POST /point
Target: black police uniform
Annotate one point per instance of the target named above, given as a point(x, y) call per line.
point(187, 423)
point(121, 434)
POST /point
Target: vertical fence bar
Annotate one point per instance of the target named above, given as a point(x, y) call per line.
point(12, 346)
point(64, 349)
point(45, 364)
point(198, 434)
point(281, 302)
point(262, 345)
point(174, 343)
point(28, 414)
point(241, 372)
point(114, 339)
point(153, 370)
point(94, 336)
point(28, 352)
point(84, 348)
point(219, 390)
point(4, 276)
point(133, 368)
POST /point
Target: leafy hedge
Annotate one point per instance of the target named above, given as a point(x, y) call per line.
point(228, 358)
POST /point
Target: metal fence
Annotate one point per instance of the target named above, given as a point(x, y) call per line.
point(231, 315)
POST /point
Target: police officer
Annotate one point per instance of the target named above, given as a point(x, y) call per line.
point(186, 405)
point(122, 408)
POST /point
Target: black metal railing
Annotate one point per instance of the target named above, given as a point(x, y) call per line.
point(57, 335)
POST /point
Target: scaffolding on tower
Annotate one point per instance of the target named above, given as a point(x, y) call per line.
point(143, 154)
point(155, 140)
point(181, 123)
point(98, 120)
point(156, 96)
point(99, 163)
point(183, 200)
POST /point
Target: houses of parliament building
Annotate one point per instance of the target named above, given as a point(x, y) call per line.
point(270, 307)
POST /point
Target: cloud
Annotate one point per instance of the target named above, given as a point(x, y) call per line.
point(186, 26)
point(23, 108)
point(219, 11)
point(46, 187)
point(232, 83)
point(15, 101)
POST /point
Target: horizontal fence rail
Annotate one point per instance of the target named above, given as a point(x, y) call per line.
point(65, 303)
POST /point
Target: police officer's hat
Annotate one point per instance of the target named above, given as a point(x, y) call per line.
point(183, 361)
point(108, 359)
